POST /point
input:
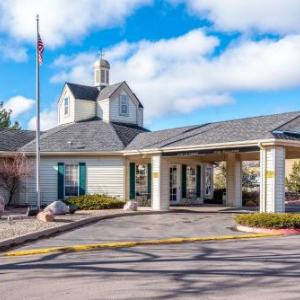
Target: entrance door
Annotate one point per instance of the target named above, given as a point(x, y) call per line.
point(173, 184)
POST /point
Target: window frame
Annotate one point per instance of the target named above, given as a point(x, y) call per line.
point(123, 97)
point(78, 179)
point(66, 106)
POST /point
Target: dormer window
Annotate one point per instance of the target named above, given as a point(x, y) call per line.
point(124, 105)
point(66, 105)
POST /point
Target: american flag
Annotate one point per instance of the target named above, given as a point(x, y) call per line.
point(40, 46)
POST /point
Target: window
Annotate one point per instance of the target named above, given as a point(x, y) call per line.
point(71, 180)
point(107, 77)
point(66, 106)
point(102, 76)
point(124, 105)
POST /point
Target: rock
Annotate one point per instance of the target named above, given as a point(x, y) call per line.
point(2, 204)
point(45, 216)
point(131, 206)
point(73, 208)
point(58, 208)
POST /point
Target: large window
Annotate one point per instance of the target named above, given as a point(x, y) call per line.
point(124, 105)
point(71, 180)
point(66, 105)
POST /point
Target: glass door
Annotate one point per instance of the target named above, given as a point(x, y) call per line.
point(191, 183)
point(173, 184)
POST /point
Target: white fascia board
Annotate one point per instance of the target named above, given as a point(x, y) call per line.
point(217, 146)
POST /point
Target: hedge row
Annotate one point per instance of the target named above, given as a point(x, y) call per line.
point(93, 202)
point(269, 220)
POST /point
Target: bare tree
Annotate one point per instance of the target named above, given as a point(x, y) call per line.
point(12, 171)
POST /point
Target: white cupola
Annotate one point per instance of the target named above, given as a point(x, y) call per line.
point(101, 73)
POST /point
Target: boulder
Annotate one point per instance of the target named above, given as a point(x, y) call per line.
point(131, 206)
point(2, 204)
point(45, 216)
point(58, 208)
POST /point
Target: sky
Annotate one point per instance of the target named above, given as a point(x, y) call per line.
point(189, 62)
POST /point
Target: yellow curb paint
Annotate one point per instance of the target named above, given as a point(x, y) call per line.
point(127, 244)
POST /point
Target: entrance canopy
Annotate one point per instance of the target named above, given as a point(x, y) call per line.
point(269, 139)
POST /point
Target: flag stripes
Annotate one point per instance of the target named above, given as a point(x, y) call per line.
point(40, 45)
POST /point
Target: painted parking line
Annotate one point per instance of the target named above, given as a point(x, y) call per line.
point(128, 244)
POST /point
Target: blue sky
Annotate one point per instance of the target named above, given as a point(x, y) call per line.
point(188, 61)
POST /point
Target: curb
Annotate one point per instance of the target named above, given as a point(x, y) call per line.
point(16, 241)
point(286, 231)
point(129, 244)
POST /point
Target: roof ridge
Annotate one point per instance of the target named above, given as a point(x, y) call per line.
point(84, 85)
point(286, 123)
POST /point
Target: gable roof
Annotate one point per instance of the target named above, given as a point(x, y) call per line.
point(108, 91)
point(86, 136)
point(255, 128)
point(13, 139)
point(83, 92)
point(92, 93)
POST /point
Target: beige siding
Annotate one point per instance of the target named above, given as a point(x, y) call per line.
point(272, 188)
point(70, 117)
point(115, 111)
point(84, 109)
point(160, 183)
point(104, 176)
point(140, 117)
point(103, 110)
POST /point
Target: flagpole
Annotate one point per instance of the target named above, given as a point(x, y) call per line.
point(37, 70)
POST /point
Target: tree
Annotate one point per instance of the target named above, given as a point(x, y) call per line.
point(293, 181)
point(5, 118)
point(12, 171)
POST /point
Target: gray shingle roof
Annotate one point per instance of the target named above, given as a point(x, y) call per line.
point(255, 128)
point(108, 91)
point(83, 92)
point(12, 139)
point(86, 136)
point(92, 93)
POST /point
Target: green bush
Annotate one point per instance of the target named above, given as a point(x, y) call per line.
point(92, 202)
point(269, 220)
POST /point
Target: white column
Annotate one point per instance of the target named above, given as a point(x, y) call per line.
point(272, 179)
point(233, 181)
point(160, 183)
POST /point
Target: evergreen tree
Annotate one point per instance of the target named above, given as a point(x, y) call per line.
point(5, 118)
point(293, 181)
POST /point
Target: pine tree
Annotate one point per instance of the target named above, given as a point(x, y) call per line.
point(293, 181)
point(5, 118)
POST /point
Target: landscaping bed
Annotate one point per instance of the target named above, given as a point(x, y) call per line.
point(281, 223)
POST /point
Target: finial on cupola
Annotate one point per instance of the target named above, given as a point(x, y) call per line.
point(101, 71)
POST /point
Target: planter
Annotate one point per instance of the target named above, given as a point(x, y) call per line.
point(285, 231)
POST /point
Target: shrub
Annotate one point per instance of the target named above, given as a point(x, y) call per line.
point(92, 202)
point(269, 220)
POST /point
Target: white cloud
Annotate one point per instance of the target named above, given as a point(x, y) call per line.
point(18, 105)
point(184, 73)
point(48, 119)
point(12, 51)
point(62, 20)
point(277, 16)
